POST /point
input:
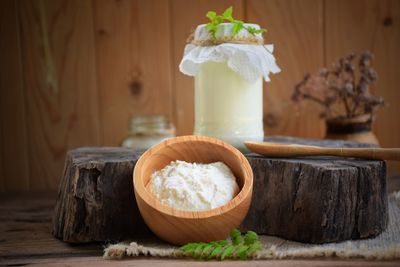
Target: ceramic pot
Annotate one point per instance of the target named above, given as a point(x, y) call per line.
point(357, 129)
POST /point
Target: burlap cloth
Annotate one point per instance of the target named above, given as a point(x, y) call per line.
point(386, 246)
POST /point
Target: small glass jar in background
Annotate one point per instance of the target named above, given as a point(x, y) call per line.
point(148, 130)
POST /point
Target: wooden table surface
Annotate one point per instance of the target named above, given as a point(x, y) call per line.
point(25, 239)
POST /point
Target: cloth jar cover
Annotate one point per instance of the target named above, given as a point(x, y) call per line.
point(240, 53)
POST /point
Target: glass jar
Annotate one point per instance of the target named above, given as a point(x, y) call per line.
point(227, 106)
point(228, 69)
point(146, 131)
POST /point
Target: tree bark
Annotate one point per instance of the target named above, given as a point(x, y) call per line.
point(95, 200)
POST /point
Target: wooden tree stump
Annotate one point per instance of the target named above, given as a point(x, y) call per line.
point(310, 199)
point(318, 199)
point(96, 200)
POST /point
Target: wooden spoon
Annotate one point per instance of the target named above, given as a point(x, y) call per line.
point(293, 150)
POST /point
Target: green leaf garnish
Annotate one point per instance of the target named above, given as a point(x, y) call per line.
point(198, 251)
point(217, 251)
point(254, 248)
point(228, 251)
point(250, 237)
point(222, 242)
point(240, 247)
point(189, 248)
point(253, 30)
point(237, 26)
point(234, 233)
point(241, 252)
point(211, 15)
point(227, 16)
point(207, 249)
point(236, 236)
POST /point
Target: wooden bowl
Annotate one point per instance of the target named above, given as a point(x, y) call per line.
point(181, 227)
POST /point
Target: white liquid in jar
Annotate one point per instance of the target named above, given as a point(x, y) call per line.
point(228, 107)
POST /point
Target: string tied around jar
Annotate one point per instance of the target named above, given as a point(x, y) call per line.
point(250, 39)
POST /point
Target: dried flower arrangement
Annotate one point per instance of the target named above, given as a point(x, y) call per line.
point(342, 86)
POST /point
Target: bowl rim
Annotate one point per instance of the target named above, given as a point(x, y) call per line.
point(141, 191)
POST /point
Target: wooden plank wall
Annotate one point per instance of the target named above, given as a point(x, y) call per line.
point(296, 30)
point(373, 25)
point(133, 56)
point(13, 121)
point(60, 85)
point(72, 72)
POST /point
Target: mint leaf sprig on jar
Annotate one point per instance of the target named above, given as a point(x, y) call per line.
point(227, 16)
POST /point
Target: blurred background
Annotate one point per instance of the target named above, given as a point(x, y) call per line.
point(72, 72)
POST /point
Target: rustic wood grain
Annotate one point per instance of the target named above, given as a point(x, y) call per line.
point(346, 198)
point(97, 185)
point(143, 261)
point(133, 62)
point(2, 177)
point(357, 26)
point(184, 19)
point(318, 201)
point(59, 77)
point(25, 222)
point(311, 199)
point(296, 30)
point(13, 139)
point(72, 72)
